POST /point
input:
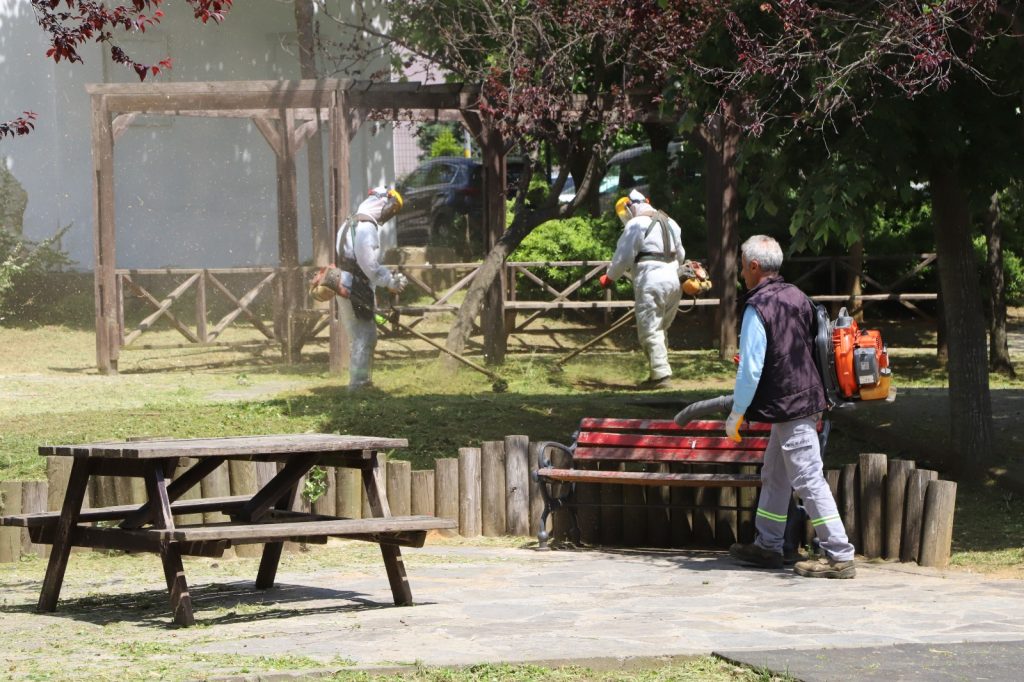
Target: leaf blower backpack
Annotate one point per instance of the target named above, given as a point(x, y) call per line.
point(853, 362)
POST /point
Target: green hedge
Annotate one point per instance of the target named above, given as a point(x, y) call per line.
point(577, 238)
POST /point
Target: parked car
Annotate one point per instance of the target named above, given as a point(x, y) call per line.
point(626, 170)
point(435, 194)
point(444, 203)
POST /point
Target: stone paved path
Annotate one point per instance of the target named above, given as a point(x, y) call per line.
point(486, 604)
point(520, 605)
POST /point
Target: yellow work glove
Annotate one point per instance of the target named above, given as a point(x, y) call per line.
point(732, 426)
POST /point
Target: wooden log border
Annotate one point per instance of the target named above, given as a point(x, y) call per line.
point(891, 509)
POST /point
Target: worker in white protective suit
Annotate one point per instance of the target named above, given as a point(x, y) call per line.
point(650, 249)
point(358, 250)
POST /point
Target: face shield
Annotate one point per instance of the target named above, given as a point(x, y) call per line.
point(622, 210)
point(382, 205)
point(392, 205)
point(631, 206)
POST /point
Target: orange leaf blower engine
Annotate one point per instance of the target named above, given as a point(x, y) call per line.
point(853, 362)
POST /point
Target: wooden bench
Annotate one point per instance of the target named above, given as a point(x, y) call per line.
point(645, 452)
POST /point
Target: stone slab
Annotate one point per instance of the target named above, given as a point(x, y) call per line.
point(896, 663)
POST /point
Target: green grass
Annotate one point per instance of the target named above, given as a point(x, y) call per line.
point(56, 396)
point(988, 530)
point(701, 669)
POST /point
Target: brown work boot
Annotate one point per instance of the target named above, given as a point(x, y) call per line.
point(656, 384)
point(792, 556)
point(825, 568)
point(755, 555)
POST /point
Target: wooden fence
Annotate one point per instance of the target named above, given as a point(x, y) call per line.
point(891, 509)
point(437, 285)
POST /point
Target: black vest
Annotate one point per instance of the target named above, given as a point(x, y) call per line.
point(790, 386)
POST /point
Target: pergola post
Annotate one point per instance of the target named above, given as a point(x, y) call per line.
point(339, 200)
point(492, 317)
point(107, 324)
point(288, 285)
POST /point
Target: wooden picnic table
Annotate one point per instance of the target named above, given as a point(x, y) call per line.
point(270, 516)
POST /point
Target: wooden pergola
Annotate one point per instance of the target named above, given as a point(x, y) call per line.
point(287, 113)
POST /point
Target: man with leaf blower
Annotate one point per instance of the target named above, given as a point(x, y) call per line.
point(777, 381)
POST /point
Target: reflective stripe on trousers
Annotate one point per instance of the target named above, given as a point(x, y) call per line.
point(792, 461)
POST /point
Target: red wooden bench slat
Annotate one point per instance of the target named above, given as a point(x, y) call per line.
point(607, 424)
point(668, 455)
point(645, 478)
point(669, 442)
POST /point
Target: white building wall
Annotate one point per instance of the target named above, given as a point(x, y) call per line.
point(189, 192)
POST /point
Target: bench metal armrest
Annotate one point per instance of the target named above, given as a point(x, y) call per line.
point(543, 462)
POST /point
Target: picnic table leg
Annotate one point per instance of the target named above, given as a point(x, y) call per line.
point(272, 550)
point(376, 498)
point(177, 586)
point(72, 507)
point(170, 552)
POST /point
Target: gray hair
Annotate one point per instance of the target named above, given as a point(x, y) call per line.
point(765, 250)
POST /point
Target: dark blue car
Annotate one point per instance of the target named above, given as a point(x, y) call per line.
point(439, 194)
point(444, 204)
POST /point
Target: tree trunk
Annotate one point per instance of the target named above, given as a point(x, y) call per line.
point(490, 270)
point(999, 351)
point(710, 142)
point(659, 136)
point(853, 280)
point(728, 322)
point(969, 398)
point(941, 341)
point(493, 319)
point(579, 161)
point(719, 142)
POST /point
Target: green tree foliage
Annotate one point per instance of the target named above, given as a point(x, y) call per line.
point(70, 25)
point(445, 144)
point(1013, 271)
point(428, 133)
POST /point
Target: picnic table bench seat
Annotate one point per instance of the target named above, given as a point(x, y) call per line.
point(213, 538)
point(122, 511)
point(638, 452)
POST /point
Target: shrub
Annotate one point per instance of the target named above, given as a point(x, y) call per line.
point(577, 238)
point(1013, 272)
point(24, 269)
point(445, 144)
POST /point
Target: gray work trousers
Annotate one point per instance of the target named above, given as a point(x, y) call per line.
point(362, 340)
point(792, 460)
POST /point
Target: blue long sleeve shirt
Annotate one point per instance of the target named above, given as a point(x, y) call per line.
point(753, 346)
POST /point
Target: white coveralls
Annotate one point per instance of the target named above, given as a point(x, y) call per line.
point(359, 243)
point(656, 287)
